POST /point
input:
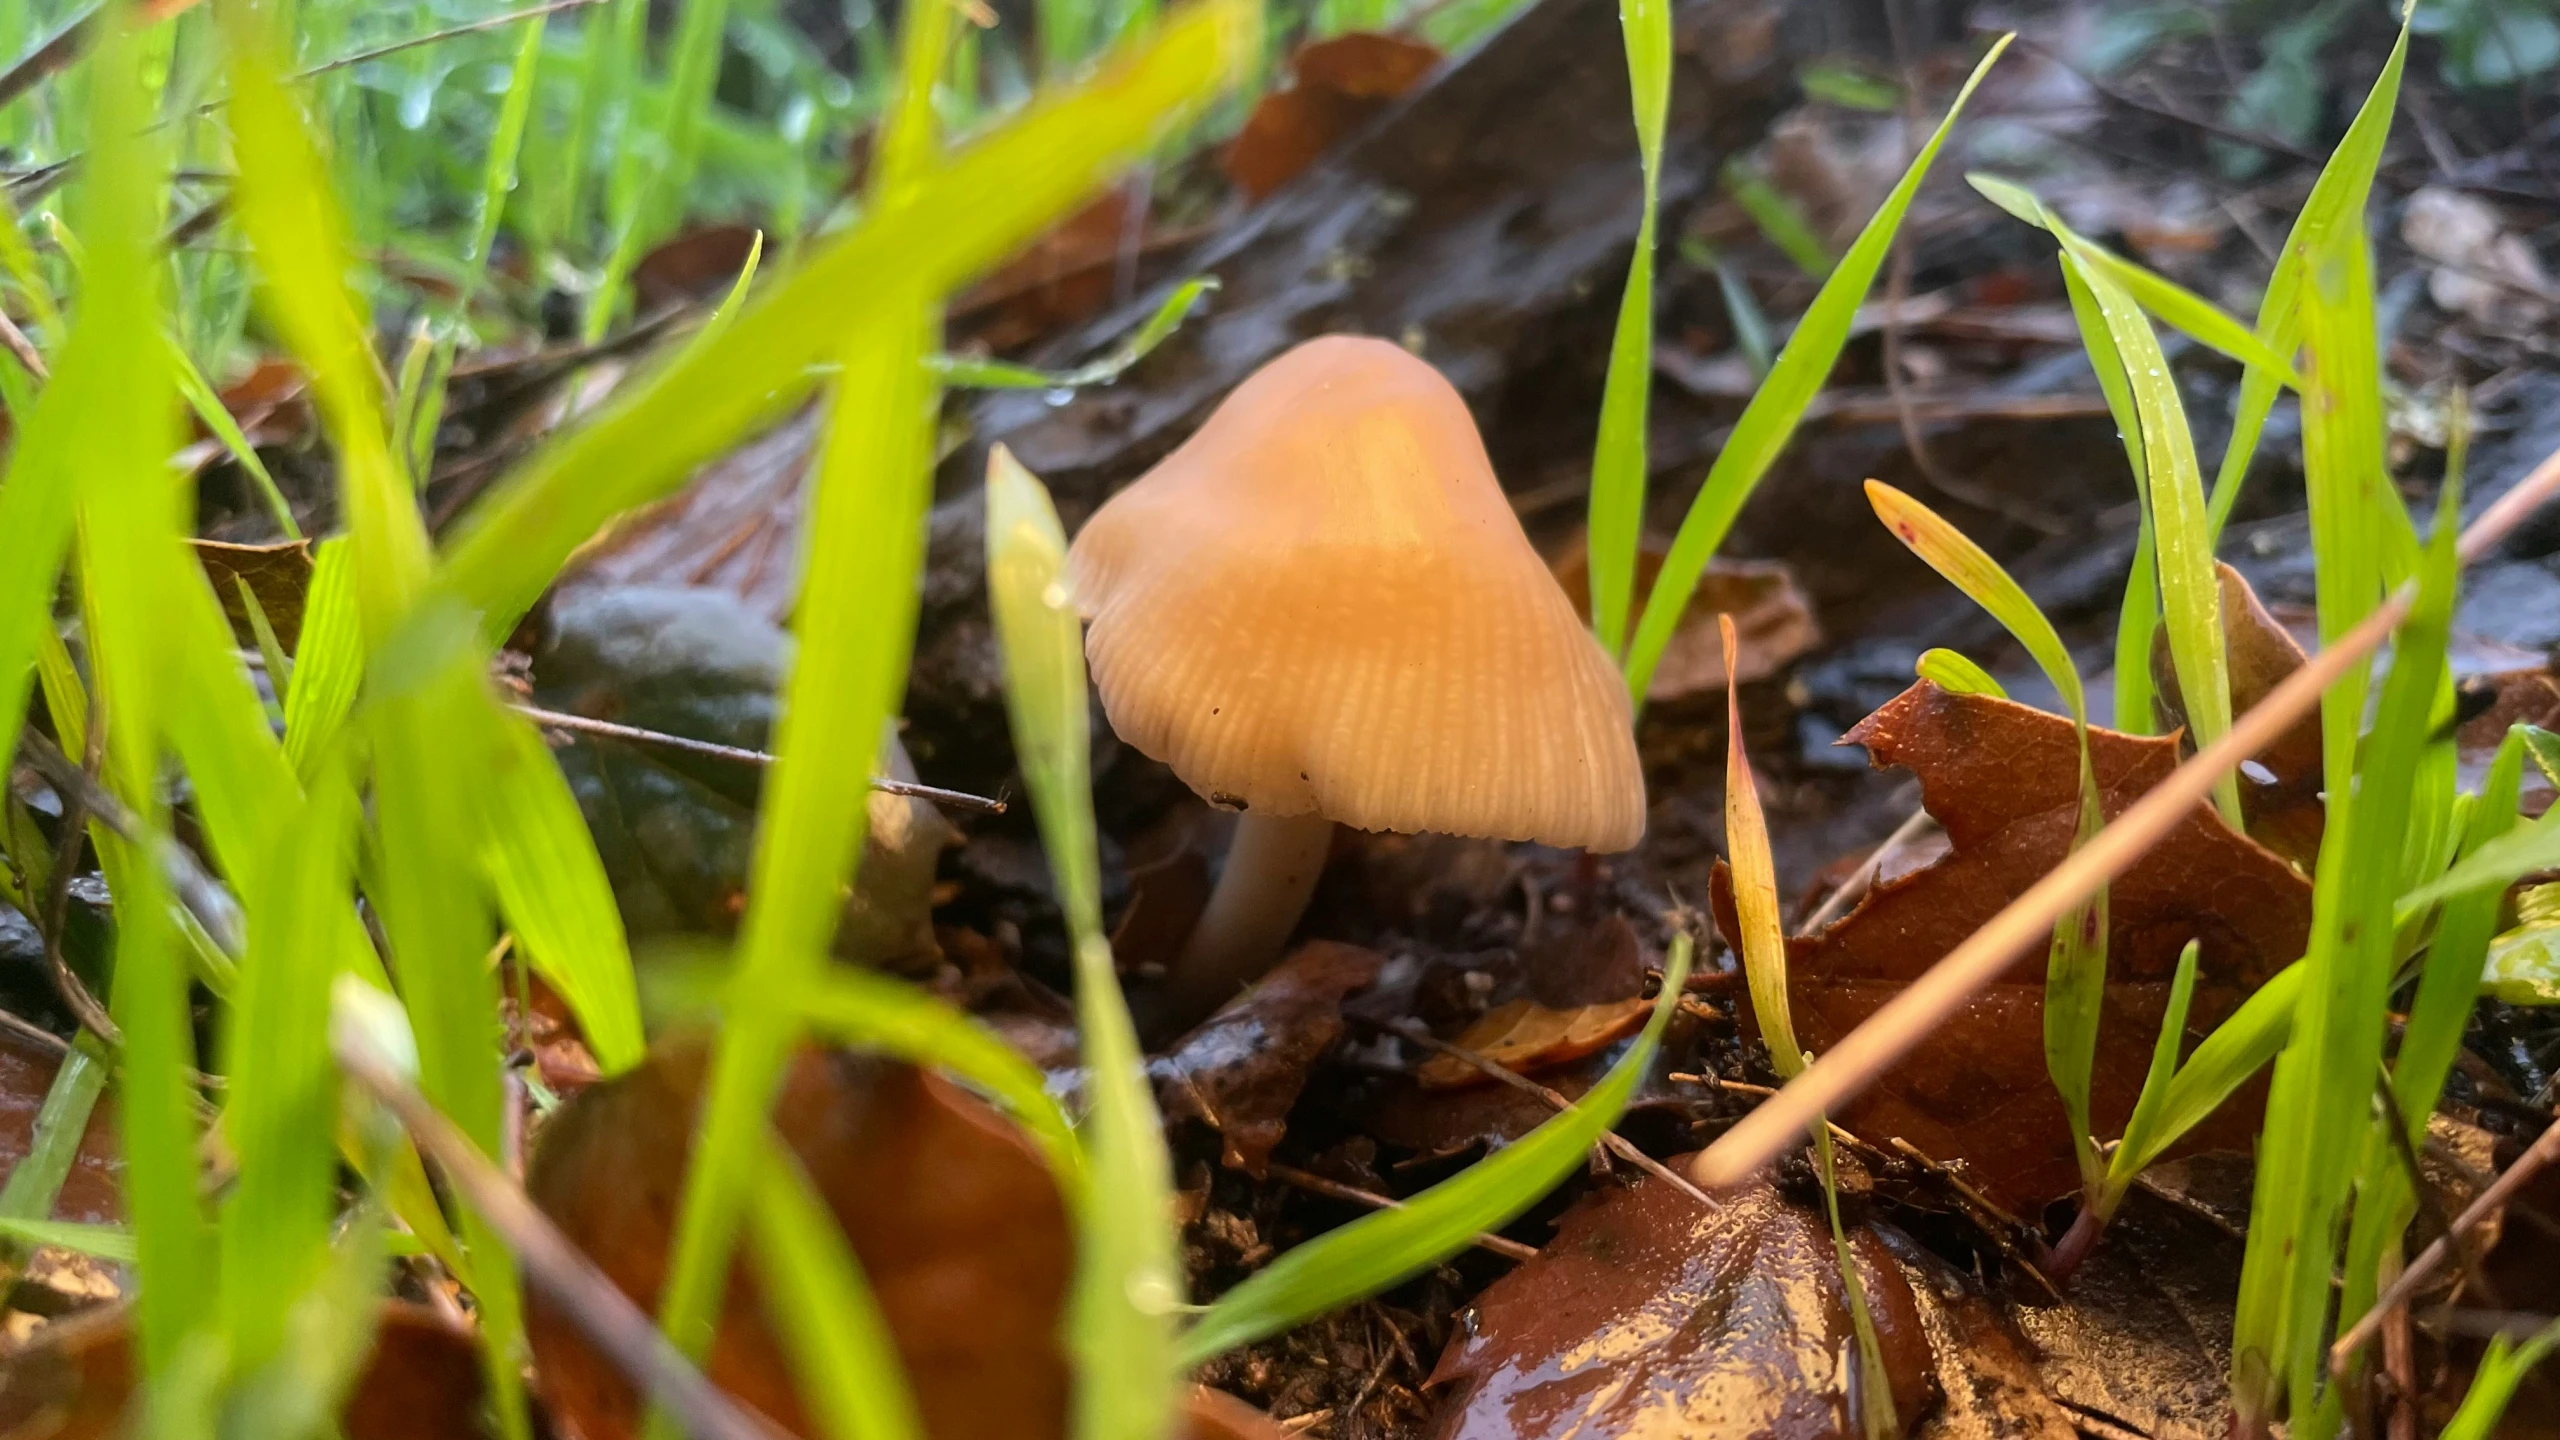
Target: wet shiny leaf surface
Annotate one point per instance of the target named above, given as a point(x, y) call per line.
point(1241, 1070)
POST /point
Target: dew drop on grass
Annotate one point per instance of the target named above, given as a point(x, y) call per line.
point(1057, 396)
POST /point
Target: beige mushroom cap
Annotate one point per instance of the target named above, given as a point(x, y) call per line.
point(1322, 603)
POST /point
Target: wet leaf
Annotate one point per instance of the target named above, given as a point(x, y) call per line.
point(950, 1211)
point(2002, 779)
point(1241, 1070)
point(1524, 1035)
point(1341, 84)
point(279, 575)
point(1770, 611)
point(1648, 1314)
point(73, 1379)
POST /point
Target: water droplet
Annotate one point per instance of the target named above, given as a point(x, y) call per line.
point(1058, 396)
point(1055, 597)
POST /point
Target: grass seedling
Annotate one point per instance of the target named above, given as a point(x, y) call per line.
point(2075, 990)
point(1618, 457)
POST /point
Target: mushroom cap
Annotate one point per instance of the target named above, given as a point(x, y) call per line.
point(1322, 603)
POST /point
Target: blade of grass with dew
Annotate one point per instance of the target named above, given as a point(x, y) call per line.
point(2076, 962)
point(1778, 405)
point(209, 408)
point(2340, 193)
point(1385, 1247)
point(497, 181)
point(966, 373)
point(115, 394)
point(53, 1141)
point(980, 204)
point(551, 888)
point(280, 1110)
point(2448, 984)
point(2138, 617)
point(1618, 455)
point(823, 1311)
point(855, 625)
point(865, 1011)
point(2146, 1122)
point(2494, 1384)
point(2167, 301)
point(2324, 1077)
point(1956, 674)
point(1129, 1280)
point(2190, 594)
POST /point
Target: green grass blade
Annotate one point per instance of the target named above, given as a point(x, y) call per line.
point(964, 373)
point(552, 890)
point(865, 1011)
point(2145, 1123)
point(855, 625)
point(208, 407)
point(2494, 1384)
point(328, 663)
point(981, 204)
point(2223, 1061)
point(659, 171)
point(2190, 595)
point(104, 1242)
point(2324, 1078)
point(1129, 1279)
point(2138, 620)
point(281, 1109)
point(1970, 568)
point(2337, 196)
point(1380, 1249)
point(1770, 419)
point(1618, 456)
point(822, 1309)
point(1957, 674)
point(2494, 865)
point(1782, 222)
point(35, 1182)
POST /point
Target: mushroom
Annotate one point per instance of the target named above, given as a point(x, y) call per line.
point(1321, 608)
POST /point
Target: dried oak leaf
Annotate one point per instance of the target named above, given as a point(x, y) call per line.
point(73, 1380)
point(1648, 1314)
point(958, 1226)
point(279, 575)
point(1523, 1035)
point(1342, 84)
point(1772, 618)
point(2002, 779)
point(1240, 1071)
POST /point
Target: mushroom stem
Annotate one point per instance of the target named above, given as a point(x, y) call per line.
point(1271, 871)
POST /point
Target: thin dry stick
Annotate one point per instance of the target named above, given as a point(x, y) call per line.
point(1863, 879)
point(491, 22)
point(1309, 1181)
point(22, 347)
point(1903, 1022)
point(2544, 1151)
point(556, 1267)
point(559, 720)
point(201, 894)
point(1618, 1145)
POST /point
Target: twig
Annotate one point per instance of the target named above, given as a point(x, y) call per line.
point(200, 893)
point(19, 345)
point(556, 1267)
point(1313, 1183)
point(58, 50)
point(35, 1034)
point(1927, 1003)
point(57, 912)
point(581, 724)
point(2491, 1200)
point(490, 22)
point(1618, 1145)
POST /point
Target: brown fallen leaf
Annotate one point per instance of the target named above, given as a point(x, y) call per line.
point(2002, 780)
point(73, 1379)
point(1524, 1035)
point(958, 1227)
point(1342, 83)
point(92, 1192)
point(279, 575)
point(1241, 1070)
point(1772, 615)
point(2280, 793)
point(1648, 1315)
point(699, 265)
